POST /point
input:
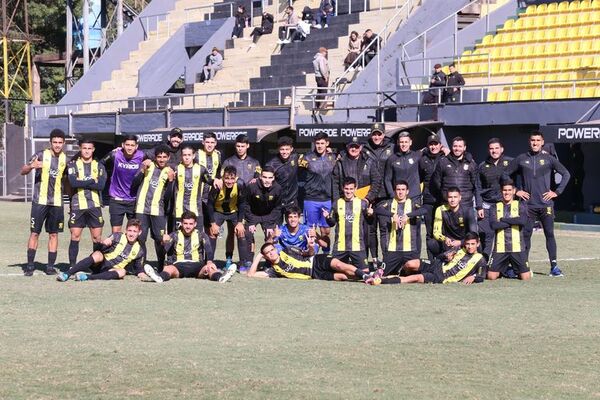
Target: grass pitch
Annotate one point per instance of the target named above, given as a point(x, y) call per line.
point(280, 339)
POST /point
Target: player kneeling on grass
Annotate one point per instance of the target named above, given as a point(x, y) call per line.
point(290, 264)
point(465, 265)
point(508, 219)
point(187, 255)
point(115, 253)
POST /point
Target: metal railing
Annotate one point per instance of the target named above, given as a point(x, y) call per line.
point(423, 35)
point(458, 60)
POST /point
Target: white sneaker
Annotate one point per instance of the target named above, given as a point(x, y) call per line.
point(152, 273)
point(360, 68)
point(326, 26)
point(228, 274)
point(318, 26)
point(234, 37)
point(286, 41)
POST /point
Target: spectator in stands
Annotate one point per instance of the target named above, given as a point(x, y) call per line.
point(266, 27)
point(453, 82)
point(240, 23)
point(326, 9)
point(354, 44)
point(321, 66)
point(370, 41)
point(215, 63)
point(290, 24)
point(307, 15)
point(303, 29)
point(437, 81)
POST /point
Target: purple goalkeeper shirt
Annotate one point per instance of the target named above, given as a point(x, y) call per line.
point(122, 176)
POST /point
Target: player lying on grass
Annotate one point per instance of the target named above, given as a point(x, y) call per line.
point(291, 264)
point(114, 255)
point(465, 265)
point(187, 255)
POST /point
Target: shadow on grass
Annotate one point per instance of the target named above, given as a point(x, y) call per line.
point(38, 266)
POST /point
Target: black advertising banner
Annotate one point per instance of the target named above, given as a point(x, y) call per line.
point(572, 133)
point(192, 136)
point(338, 133)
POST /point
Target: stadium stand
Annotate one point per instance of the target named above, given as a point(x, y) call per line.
point(550, 51)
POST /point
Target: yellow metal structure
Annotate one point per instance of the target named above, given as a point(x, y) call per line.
point(16, 69)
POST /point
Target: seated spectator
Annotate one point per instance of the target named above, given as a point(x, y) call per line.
point(354, 44)
point(307, 15)
point(266, 27)
point(302, 32)
point(290, 24)
point(240, 23)
point(454, 81)
point(326, 9)
point(370, 42)
point(215, 63)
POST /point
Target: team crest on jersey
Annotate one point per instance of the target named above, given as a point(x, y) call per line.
point(549, 210)
point(60, 225)
point(101, 220)
point(466, 167)
point(270, 197)
point(257, 196)
point(196, 176)
point(542, 162)
point(505, 163)
point(410, 161)
point(526, 161)
point(461, 221)
point(487, 165)
point(388, 151)
point(249, 166)
point(293, 163)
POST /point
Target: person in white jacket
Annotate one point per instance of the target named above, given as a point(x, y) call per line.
point(321, 66)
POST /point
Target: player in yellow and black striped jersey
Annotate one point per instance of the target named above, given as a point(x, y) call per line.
point(210, 158)
point(47, 204)
point(403, 224)
point(188, 252)
point(154, 187)
point(291, 264)
point(87, 178)
point(465, 265)
point(113, 257)
point(189, 179)
point(350, 215)
point(508, 218)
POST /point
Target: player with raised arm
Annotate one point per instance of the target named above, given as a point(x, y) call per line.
point(47, 203)
point(293, 234)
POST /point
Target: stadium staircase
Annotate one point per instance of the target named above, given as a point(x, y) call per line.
point(549, 51)
point(269, 65)
point(123, 82)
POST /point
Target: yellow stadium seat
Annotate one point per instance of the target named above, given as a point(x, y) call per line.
point(514, 95)
point(596, 4)
point(573, 18)
point(502, 96)
point(538, 65)
point(528, 66)
point(585, 46)
point(562, 64)
point(506, 52)
point(528, 23)
point(495, 52)
point(483, 68)
point(518, 25)
point(492, 96)
point(532, 9)
point(467, 53)
point(595, 31)
point(528, 51)
point(595, 16)
point(516, 52)
point(505, 68)
point(539, 35)
point(498, 39)
point(585, 5)
point(597, 91)
point(574, 5)
point(563, 76)
point(541, 8)
point(578, 92)
point(536, 94)
point(550, 49)
point(583, 31)
point(587, 92)
point(560, 19)
point(518, 79)
point(582, 18)
point(596, 62)
point(562, 33)
point(587, 62)
point(508, 25)
point(487, 39)
point(551, 64)
point(563, 6)
point(562, 48)
point(572, 33)
point(525, 95)
point(573, 47)
point(528, 36)
point(527, 79)
point(552, 8)
point(574, 63)
point(550, 77)
point(549, 94)
point(516, 66)
point(563, 93)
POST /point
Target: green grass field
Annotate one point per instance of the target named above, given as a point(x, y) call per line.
point(280, 339)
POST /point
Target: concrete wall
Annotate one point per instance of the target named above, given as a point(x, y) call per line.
point(116, 53)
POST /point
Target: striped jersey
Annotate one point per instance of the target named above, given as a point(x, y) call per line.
point(151, 193)
point(293, 266)
point(408, 238)
point(194, 247)
point(188, 186)
point(87, 180)
point(349, 219)
point(122, 253)
point(212, 163)
point(453, 225)
point(509, 239)
point(462, 266)
point(227, 200)
point(48, 187)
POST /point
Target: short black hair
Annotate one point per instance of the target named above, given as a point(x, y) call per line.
point(130, 137)
point(507, 182)
point(495, 140)
point(189, 147)
point(401, 182)
point(536, 133)
point(471, 236)
point(264, 246)
point(349, 181)
point(208, 135)
point(163, 148)
point(85, 140)
point(452, 65)
point(241, 139)
point(321, 136)
point(268, 168)
point(285, 141)
point(230, 170)
point(292, 210)
point(57, 133)
point(458, 139)
point(189, 215)
point(453, 189)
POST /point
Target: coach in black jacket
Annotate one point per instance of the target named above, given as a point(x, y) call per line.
point(457, 169)
point(354, 163)
point(403, 165)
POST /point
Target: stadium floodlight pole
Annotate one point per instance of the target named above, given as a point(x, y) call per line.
point(119, 17)
point(86, 36)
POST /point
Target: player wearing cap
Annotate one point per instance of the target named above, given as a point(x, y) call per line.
point(535, 170)
point(318, 166)
point(47, 203)
point(508, 218)
point(356, 164)
point(173, 143)
point(87, 178)
point(489, 174)
point(379, 148)
point(285, 165)
point(126, 162)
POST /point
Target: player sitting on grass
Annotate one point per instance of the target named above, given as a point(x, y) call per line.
point(290, 264)
point(109, 262)
point(187, 251)
point(465, 265)
point(508, 218)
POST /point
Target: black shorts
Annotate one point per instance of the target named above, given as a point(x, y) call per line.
point(540, 213)
point(52, 217)
point(356, 258)
point(92, 218)
point(220, 218)
point(189, 269)
point(153, 224)
point(395, 260)
point(322, 268)
point(503, 261)
point(432, 273)
point(118, 209)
